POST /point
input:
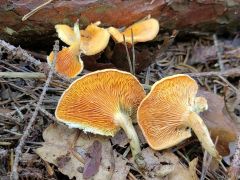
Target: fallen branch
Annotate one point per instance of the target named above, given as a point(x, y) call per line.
point(18, 53)
point(24, 75)
point(235, 165)
point(225, 73)
point(18, 151)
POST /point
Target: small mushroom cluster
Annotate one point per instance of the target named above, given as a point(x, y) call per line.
point(93, 40)
point(104, 101)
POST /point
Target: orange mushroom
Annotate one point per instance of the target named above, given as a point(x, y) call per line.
point(65, 33)
point(145, 30)
point(102, 102)
point(67, 63)
point(68, 60)
point(94, 39)
point(169, 109)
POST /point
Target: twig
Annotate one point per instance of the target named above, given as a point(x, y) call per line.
point(133, 54)
point(18, 151)
point(235, 165)
point(24, 75)
point(25, 17)
point(206, 162)
point(18, 52)
point(11, 119)
point(226, 73)
point(166, 43)
point(46, 113)
point(128, 56)
point(218, 53)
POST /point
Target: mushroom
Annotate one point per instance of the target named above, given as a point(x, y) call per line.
point(65, 33)
point(145, 30)
point(102, 102)
point(94, 39)
point(169, 109)
point(68, 60)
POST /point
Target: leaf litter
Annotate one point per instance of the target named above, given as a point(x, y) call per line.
point(79, 160)
point(18, 97)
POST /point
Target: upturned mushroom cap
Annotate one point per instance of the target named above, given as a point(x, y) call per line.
point(145, 30)
point(95, 101)
point(65, 33)
point(162, 113)
point(94, 39)
point(169, 109)
point(68, 63)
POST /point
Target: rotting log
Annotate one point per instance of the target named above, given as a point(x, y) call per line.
point(204, 15)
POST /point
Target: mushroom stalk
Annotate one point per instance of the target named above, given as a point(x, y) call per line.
point(125, 122)
point(201, 131)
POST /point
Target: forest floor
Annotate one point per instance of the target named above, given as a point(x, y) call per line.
point(213, 62)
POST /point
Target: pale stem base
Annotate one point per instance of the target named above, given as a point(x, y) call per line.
point(126, 123)
point(196, 123)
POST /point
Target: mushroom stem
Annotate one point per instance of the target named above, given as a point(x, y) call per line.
point(196, 123)
point(126, 123)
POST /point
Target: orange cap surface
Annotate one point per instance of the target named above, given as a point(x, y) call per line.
point(94, 39)
point(68, 62)
point(92, 101)
point(162, 113)
point(145, 30)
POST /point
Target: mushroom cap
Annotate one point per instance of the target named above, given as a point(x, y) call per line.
point(68, 62)
point(93, 101)
point(162, 113)
point(145, 30)
point(65, 33)
point(94, 39)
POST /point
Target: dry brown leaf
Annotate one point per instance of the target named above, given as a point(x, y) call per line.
point(121, 168)
point(93, 160)
point(151, 158)
point(180, 172)
point(57, 149)
point(167, 166)
point(218, 122)
point(201, 54)
point(120, 139)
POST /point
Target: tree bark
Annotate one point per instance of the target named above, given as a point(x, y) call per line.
point(206, 15)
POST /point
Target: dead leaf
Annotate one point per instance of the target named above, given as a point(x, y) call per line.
point(201, 54)
point(232, 146)
point(93, 160)
point(167, 166)
point(121, 168)
point(157, 165)
point(180, 172)
point(120, 139)
point(57, 149)
point(218, 122)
